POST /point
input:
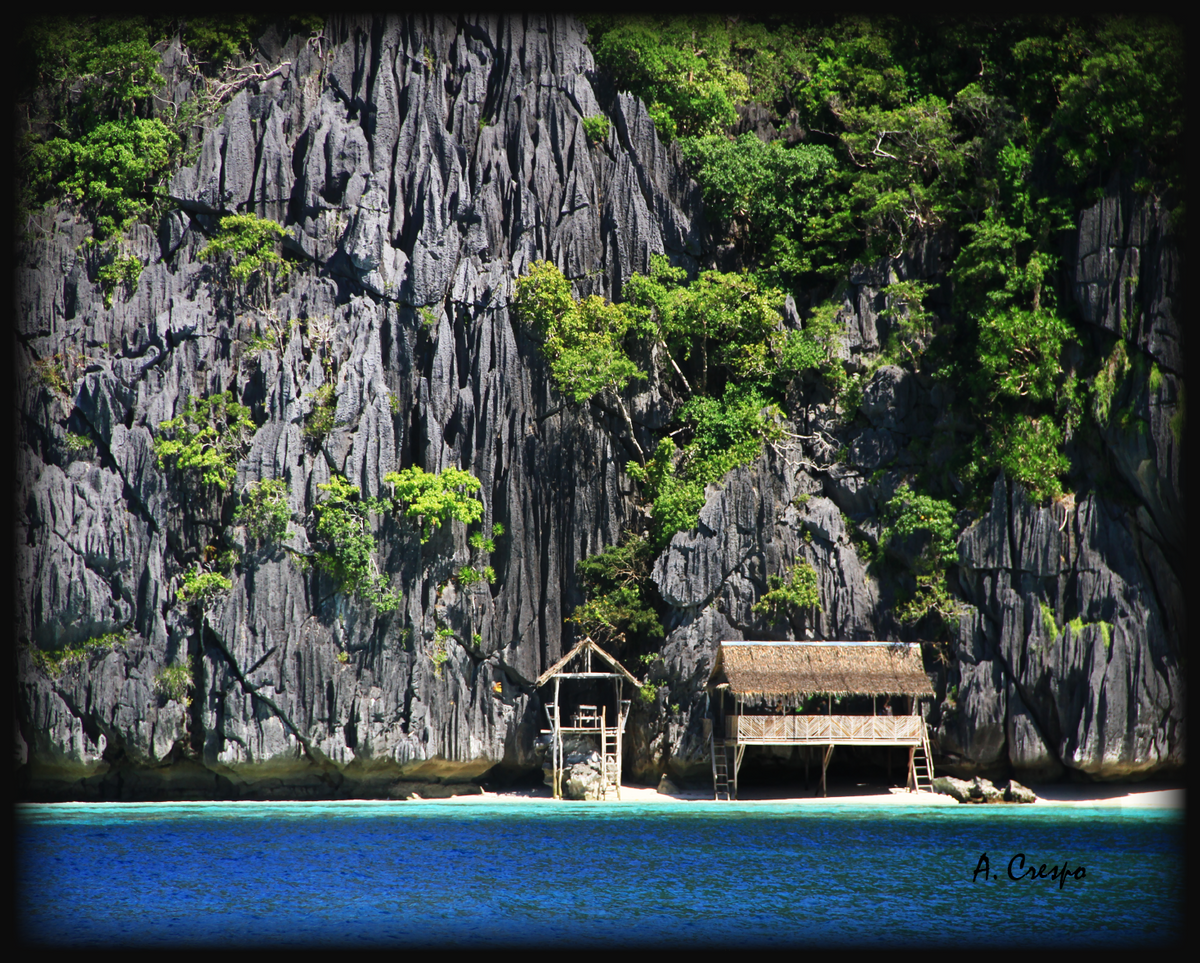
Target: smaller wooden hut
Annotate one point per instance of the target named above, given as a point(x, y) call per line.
point(763, 680)
point(602, 718)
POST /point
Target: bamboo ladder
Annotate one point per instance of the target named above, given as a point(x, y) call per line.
point(720, 767)
point(920, 764)
point(609, 751)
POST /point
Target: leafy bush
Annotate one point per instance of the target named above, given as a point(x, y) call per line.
point(123, 270)
point(249, 242)
point(55, 372)
point(468, 576)
point(799, 589)
point(265, 511)
point(766, 194)
point(55, 661)
point(485, 546)
point(725, 434)
point(621, 602)
point(203, 587)
point(910, 513)
point(344, 527)
point(175, 682)
point(728, 320)
point(320, 421)
point(678, 65)
point(596, 129)
point(1049, 624)
point(649, 692)
point(435, 498)
point(211, 434)
point(583, 339)
point(1029, 451)
point(85, 132)
point(439, 651)
point(905, 308)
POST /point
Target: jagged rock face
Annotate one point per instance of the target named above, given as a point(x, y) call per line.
point(419, 165)
point(1067, 655)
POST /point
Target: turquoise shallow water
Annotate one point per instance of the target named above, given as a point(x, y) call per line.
point(404, 874)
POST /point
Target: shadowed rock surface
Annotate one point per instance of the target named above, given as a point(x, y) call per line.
point(419, 164)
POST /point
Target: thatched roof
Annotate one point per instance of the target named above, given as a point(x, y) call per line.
point(773, 669)
point(586, 644)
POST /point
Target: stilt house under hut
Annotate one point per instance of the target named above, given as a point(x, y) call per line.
point(585, 673)
point(758, 692)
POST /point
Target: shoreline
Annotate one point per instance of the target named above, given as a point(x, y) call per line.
point(1068, 796)
point(1064, 795)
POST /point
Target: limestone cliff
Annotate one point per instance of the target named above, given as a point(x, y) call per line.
point(419, 164)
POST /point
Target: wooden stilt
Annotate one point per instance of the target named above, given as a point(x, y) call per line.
point(911, 785)
point(557, 780)
point(603, 751)
point(825, 766)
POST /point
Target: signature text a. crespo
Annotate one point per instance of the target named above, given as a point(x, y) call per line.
point(1019, 868)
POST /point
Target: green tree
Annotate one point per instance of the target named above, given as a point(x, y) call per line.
point(908, 514)
point(210, 435)
point(265, 511)
point(203, 587)
point(620, 603)
point(678, 65)
point(86, 127)
point(348, 556)
point(249, 242)
point(583, 340)
point(765, 194)
point(799, 589)
point(434, 498)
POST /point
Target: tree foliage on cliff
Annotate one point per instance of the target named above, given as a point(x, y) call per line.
point(994, 132)
point(207, 438)
point(95, 120)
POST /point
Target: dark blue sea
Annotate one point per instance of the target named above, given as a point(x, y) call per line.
point(368, 874)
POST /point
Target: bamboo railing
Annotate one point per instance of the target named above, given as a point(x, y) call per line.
point(843, 730)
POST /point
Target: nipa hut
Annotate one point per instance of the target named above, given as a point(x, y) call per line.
point(752, 685)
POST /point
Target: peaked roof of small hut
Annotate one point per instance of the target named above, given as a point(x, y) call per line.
point(825, 668)
point(578, 650)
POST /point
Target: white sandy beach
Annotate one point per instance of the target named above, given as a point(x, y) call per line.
point(1127, 796)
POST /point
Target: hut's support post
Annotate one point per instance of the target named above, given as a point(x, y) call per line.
point(737, 764)
point(603, 751)
point(557, 742)
point(825, 766)
point(912, 772)
point(617, 723)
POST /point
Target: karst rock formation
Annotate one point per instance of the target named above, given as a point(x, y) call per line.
point(419, 165)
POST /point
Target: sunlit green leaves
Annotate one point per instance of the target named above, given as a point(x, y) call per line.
point(265, 511)
point(207, 438)
point(798, 589)
point(112, 170)
point(1019, 353)
point(348, 544)
point(203, 587)
point(583, 340)
point(1029, 449)
point(764, 189)
point(249, 242)
point(620, 596)
point(435, 498)
point(680, 67)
